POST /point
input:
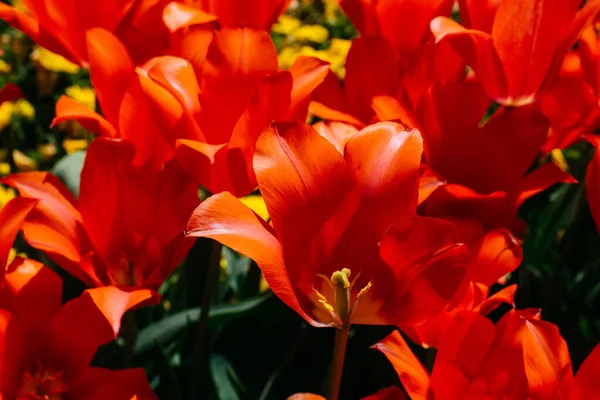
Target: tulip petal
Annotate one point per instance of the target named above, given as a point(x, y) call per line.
point(12, 216)
point(136, 124)
point(388, 108)
point(478, 51)
point(337, 133)
point(36, 31)
point(527, 54)
point(179, 16)
point(428, 183)
point(466, 342)
point(429, 265)
point(477, 14)
point(587, 375)
point(412, 16)
point(13, 351)
point(307, 73)
point(309, 192)
point(68, 109)
point(504, 296)
point(91, 320)
point(371, 70)
point(224, 218)
point(32, 291)
point(237, 59)
point(329, 102)
point(546, 357)
point(260, 14)
point(411, 372)
point(111, 71)
point(497, 254)
point(386, 161)
point(542, 178)
point(55, 225)
point(99, 383)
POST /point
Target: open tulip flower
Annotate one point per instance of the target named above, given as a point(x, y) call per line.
point(126, 226)
point(46, 348)
point(492, 256)
point(345, 246)
point(212, 114)
point(520, 358)
point(485, 166)
point(495, 43)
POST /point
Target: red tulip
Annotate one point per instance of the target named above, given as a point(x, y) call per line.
point(125, 227)
point(212, 114)
point(345, 246)
point(492, 256)
point(46, 348)
point(572, 104)
point(120, 96)
point(485, 166)
point(382, 85)
point(61, 26)
point(539, 32)
point(384, 17)
point(12, 216)
point(339, 133)
point(475, 360)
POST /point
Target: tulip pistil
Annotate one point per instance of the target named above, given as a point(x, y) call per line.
point(342, 308)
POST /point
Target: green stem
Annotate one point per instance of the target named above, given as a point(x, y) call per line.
point(129, 335)
point(211, 281)
point(337, 363)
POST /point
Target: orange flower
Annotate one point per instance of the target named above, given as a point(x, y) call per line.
point(125, 227)
point(345, 246)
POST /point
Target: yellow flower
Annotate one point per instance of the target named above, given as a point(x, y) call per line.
point(6, 195)
point(24, 109)
point(47, 151)
point(23, 163)
point(73, 145)
point(332, 9)
point(286, 25)
point(5, 68)
point(257, 204)
point(18, 4)
point(263, 285)
point(310, 33)
point(53, 62)
point(287, 55)
point(6, 112)
point(84, 95)
point(4, 168)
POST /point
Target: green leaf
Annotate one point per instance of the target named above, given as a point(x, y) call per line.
point(68, 169)
point(166, 329)
point(226, 380)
